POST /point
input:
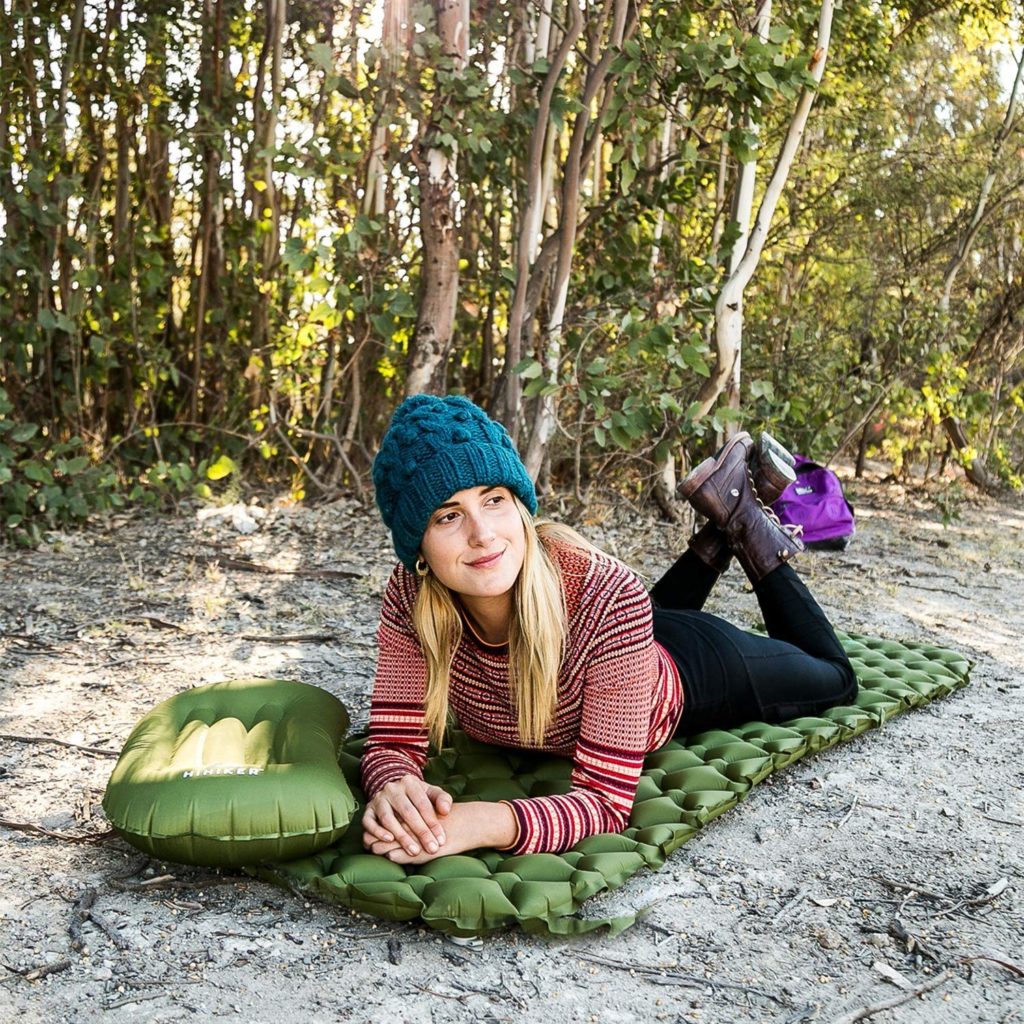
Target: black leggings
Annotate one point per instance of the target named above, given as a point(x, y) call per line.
point(731, 676)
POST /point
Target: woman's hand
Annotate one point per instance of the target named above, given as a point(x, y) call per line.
point(404, 814)
point(468, 826)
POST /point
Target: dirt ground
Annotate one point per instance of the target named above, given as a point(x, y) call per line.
point(884, 865)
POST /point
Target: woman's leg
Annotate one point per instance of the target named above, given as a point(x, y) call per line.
point(731, 676)
point(686, 584)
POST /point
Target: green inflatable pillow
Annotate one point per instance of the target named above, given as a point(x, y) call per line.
point(233, 774)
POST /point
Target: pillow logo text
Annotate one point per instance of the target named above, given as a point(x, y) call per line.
point(221, 769)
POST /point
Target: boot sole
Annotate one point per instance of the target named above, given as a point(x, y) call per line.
point(698, 477)
point(776, 473)
point(770, 448)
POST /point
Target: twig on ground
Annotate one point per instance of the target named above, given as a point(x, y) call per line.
point(133, 620)
point(849, 813)
point(1002, 961)
point(863, 1012)
point(137, 864)
point(911, 887)
point(903, 903)
point(804, 1016)
point(41, 972)
point(26, 826)
point(668, 976)
point(245, 565)
point(190, 905)
point(28, 638)
point(789, 907)
point(913, 942)
point(109, 929)
point(938, 590)
point(79, 915)
point(152, 620)
point(58, 743)
point(1003, 821)
point(977, 901)
point(140, 998)
point(493, 994)
point(442, 995)
point(170, 882)
point(291, 638)
point(154, 882)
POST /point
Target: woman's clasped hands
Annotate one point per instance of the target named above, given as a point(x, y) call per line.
point(411, 822)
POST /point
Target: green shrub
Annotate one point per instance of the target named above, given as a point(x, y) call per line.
point(45, 484)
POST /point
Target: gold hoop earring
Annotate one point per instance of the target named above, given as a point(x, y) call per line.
point(422, 569)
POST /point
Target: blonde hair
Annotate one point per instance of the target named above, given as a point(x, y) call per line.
point(536, 640)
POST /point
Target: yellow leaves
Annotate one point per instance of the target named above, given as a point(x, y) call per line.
point(324, 313)
point(224, 466)
point(980, 30)
point(966, 69)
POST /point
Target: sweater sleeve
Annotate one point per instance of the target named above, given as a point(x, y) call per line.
point(397, 743)
point(619, 682)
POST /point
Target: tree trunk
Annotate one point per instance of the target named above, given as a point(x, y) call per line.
point(743, 204)
point(266, 203)
point(966, 240)
point(395, 27)
point(729, 306)
point(509, 399)
point(436, 168)
point(608, 48)
point(211, 216)
point(974, 465)
point(662, 158)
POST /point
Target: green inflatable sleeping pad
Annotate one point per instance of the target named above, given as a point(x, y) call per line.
point(684, 785)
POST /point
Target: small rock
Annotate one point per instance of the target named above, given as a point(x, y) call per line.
point(103, 974)
point(828, 938)
point(878, 939)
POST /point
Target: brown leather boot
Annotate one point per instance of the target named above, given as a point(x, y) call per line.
point(772, 472)
point(721, 488)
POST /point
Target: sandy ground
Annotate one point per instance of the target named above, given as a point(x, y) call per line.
point(884, 865)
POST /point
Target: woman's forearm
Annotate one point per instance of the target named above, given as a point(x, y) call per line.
point(499, 827)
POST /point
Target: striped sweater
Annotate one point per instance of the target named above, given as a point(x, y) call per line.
point(619, 696)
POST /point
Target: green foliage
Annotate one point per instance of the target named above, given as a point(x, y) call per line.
point(46, 485)
point(207, 277)
point(949, 501)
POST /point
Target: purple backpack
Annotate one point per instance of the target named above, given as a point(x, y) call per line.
point(816, 502)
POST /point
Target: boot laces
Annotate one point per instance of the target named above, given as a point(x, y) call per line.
point(793, 530)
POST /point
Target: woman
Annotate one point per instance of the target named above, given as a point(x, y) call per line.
point(534, 639)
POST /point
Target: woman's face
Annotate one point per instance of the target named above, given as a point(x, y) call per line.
point(475, 542)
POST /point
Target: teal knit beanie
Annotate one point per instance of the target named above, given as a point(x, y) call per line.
point(433, 448)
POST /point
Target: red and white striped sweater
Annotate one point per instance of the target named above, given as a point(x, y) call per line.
point(619, 696)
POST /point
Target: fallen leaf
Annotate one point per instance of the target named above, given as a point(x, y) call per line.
point(890, 975)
